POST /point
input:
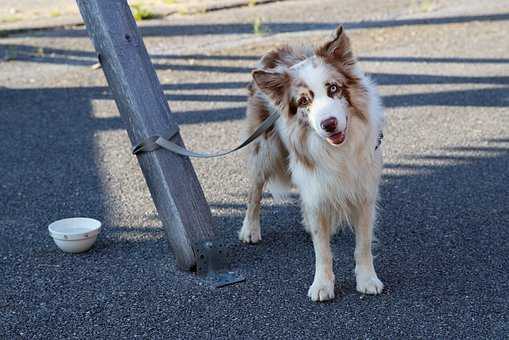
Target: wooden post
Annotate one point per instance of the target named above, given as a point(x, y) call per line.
point(131, 76)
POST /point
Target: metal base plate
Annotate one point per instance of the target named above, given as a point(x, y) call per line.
point(219, 280)
point(211, 264)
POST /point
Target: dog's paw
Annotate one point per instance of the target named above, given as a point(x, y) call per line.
point(321, 290)
point(250, 232)
point(369, 284)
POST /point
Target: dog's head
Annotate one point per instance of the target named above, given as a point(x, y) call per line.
point(321, 91)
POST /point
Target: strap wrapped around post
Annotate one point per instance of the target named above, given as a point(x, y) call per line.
point(149, 144)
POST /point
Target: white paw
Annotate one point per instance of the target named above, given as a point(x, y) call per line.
point(250, 232)
point(321, 290)
point(369, 284)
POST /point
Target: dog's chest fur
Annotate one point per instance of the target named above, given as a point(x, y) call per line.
point(330, 178)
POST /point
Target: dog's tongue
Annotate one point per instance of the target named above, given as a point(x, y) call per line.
point(337, 138)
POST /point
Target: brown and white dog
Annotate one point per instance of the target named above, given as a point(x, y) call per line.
point(325, 144)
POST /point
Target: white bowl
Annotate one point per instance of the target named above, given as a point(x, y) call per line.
point(75, 235)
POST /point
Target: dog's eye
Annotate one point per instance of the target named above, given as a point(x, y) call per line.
point(303, 101)
point(333, 89)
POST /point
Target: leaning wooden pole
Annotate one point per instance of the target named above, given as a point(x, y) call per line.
point(131, 76)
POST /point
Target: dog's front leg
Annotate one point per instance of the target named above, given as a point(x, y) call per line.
point(319, 226)
point(251, 231)
point(367, 280)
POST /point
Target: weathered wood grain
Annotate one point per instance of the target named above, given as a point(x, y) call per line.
point(171, 179)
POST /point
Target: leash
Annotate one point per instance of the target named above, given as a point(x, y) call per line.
point(155, 142)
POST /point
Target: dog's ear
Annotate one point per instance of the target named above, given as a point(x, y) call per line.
point(272, 83)
point(338, 49)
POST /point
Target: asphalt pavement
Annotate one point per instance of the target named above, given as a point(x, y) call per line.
point(443, 232)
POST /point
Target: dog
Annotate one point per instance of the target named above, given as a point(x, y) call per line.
point(326, 143)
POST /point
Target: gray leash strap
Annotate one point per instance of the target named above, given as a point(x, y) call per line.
point(155, 142)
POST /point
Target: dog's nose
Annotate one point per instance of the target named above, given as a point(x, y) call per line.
point(329, 124)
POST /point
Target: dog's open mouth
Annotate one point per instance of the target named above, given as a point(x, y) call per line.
point(337, 138)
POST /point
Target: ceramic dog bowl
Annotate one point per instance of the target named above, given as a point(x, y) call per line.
point(75, 235)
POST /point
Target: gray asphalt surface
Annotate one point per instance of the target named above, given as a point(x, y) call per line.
point(443, 251)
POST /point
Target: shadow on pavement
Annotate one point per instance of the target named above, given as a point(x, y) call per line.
point(50, 55)
point(484, 97)
point(48, 168)
point(445, 60)
point(442, 245)
point(442, 242)
point(282, 27)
